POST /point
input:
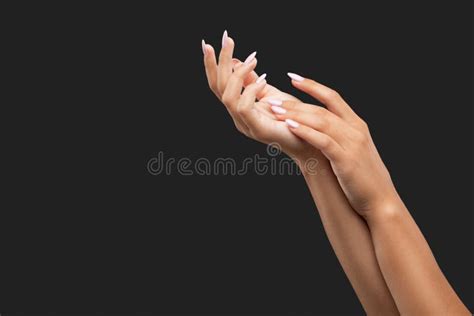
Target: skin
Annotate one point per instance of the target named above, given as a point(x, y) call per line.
point(414, 278)
point(347, 232)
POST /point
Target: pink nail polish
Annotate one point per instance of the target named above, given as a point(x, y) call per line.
point(292, 123)
point(249, 59)
point(295, 76)
point(278, 109)
point(224, 38)
point(275, 102)
point(203, 44)
point(261, 78)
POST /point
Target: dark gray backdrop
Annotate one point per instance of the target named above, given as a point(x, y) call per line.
point(107, 86)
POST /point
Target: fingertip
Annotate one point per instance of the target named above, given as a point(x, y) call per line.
point(278, 110)
point(261, 82)
point(261, 78)
point(295, 77)
point(203, 46)
point(256, 86)
point(292, 124)
point(260, 86)
point(251, 65)
point(208, 50)
point(230, 42)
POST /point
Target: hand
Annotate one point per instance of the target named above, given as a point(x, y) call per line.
point(344, 138)
point(254, 119)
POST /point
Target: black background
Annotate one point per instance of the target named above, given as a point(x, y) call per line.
point(99, 88)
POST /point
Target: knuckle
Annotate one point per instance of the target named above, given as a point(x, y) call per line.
point(292, 105)
point(226, 99)
point(320, 111)
point(296, 116)
point(325, 142)
point(220, 92)
point(250, 88)
point(289, 105)
point(213, 88)
point(361, 138)
point(303, 132)
point(297, 105)
point(240, 111)
point(240, 72)
point(220, 87)
point(311, 83)
point(331, 95)
point(323, 124)
point(362, 125)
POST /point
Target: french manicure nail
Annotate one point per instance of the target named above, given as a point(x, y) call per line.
point(249, 59)
point(292, 123)
point(275, 102)
point(295, 76)
point(261, 78)
point(203, 44)
point(224, 38)
point(278, 109)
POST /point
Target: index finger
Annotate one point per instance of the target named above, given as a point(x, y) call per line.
point(327, 96)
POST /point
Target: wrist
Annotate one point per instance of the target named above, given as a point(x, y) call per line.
point(389, 209)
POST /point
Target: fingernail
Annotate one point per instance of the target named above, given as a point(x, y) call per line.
point(203, 44)
point(295, 76)
point(249, 59)
point(275, 102)
point(278, 109)
point(261, 78)
point(292, 123)
point(224, 38)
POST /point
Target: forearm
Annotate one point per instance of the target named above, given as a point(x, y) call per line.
point(408, 265)
point(350, 238)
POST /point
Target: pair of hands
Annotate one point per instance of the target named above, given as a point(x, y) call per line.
point(304, 131)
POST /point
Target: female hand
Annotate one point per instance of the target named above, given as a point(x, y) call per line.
point(254, 119)
point(344, 138)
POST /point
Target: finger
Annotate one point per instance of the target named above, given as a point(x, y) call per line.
point(315, 117)
point(327, 96)
point(232, 92)
point(224, 68)
point(234, 86)
point(211, 73)
point(327, 145)
point(297, 106)
point(251, 78)
point(210, 65)
point(246, 108)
